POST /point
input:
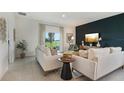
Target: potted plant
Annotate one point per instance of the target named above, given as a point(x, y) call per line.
point(22, 45)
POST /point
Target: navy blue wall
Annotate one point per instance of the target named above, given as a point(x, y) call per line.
point(111, 30)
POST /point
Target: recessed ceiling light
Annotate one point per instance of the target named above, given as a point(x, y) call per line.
point(63, 15)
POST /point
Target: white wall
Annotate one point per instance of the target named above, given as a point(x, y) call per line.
point(4, 46)
point(27, 29)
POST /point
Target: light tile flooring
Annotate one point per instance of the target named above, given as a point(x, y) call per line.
point(29, 70)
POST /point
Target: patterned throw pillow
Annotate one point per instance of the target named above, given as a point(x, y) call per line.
point(83, 53)
point(53, 51)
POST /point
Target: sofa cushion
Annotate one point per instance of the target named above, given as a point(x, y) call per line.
point(53, 51)
point(94, 53)
point(83, 53)
point(45, 50)
point(115, 49)
point(41, 47)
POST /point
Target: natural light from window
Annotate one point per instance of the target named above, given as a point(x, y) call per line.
point(52, 40)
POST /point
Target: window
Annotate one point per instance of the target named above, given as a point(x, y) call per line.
point(52, 40)
point(51, 36)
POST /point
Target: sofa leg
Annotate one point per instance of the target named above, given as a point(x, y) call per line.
point(45, 73)
point(122, 67)
point(36, 59)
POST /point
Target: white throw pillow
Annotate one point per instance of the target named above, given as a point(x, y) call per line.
point(115, 49)
point(93, 53)
point(47, 51)
point(83, 53)
point(41, 47)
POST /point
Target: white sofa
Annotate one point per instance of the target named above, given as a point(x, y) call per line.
point(105, 61)
point(47, 61)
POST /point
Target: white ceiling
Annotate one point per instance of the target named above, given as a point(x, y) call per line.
point(71, 18)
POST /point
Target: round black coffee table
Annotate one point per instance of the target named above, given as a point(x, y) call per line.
point(66, 73)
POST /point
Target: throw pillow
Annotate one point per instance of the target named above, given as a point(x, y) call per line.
point(53, 51)
point(94, 53)
point(83, 53)
point(47, 51)
point(115, 49)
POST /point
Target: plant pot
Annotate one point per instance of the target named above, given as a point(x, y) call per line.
point(22, 55)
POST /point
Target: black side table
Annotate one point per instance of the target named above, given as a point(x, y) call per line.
point(66, 73)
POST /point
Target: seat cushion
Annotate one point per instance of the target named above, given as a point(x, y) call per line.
point(93, 53)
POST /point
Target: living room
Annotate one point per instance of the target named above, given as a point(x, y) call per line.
point(53, 37)
point(61, 46)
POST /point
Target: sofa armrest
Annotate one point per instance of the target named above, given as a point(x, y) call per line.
point(85, 66)
point(108, 63)
point(50, 63)
point(114, 57)
point(52, 58)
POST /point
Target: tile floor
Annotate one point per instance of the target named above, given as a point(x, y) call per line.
point(29, 70)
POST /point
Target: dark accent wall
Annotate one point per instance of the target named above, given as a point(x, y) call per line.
point(111, 30)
